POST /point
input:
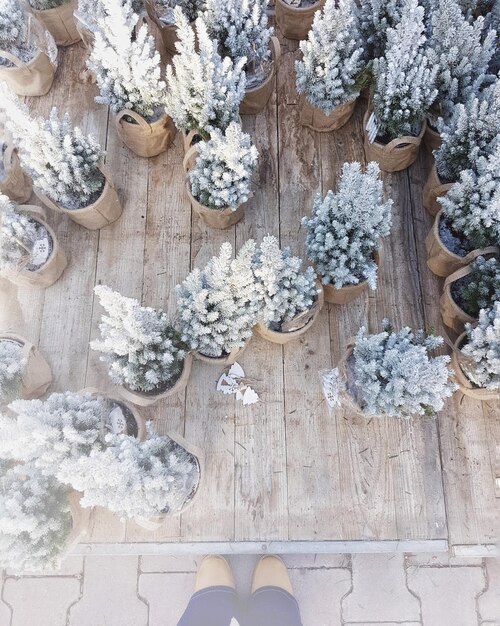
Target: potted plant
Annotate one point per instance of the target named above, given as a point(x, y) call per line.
point(89, 13)
point(57, 17)
point(476, 356)
point(128, 73)
point(294, 17)
point(219, 174)
point(143, 351)
point(291, 298)
point(65, 165)
point(27, 60)
point(468, 290)
point(30, 254)
point(375, 18)
point(241, 30)
point(161, 13)
point(393, 374)
point(13, 181)
point(24, 372)
point(469, 223)
point(204, 91)
point(219, 304)
point(403, 92)
point(343, 234)
point(328, 75)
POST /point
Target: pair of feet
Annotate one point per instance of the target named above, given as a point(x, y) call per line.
point(270, 571)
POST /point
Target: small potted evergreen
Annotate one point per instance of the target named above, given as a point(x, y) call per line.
point(64, 164)
point(328, 75)
point(161, 13)
point(219, 176)
point(343, 234)
point(468, 290)
point(476, 356)
point(30, 254)
point(403, 92)
point(57, 17)
point(128, 73)
point(375, 18)
point(291, 298)
point(218, 305)
point(13, 181)
point(295, 17)
point(143, 351)
point(27, 54)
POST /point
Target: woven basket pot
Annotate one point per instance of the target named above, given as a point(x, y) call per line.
point(147, 399)
point(396, 155)
point(144, 138)
point(51, 270)
point(256, 99)
point(442, 261)
point(142, 432)
point(434, 189)
point(351, 292)
point(314, 118)
point(295, 22)
point(104, 211)
point(467, 387)
point(221, 361)
point(15, 184)
point(37, 375)
point(432, 139)
point(452, 315)
point(60, 23)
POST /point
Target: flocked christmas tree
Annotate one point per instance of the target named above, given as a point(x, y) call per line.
point(333, 57)
point(376, 16)
point(12, 362)
point(480, 289)
point(14, 32)
point(404, 79)
point(125, 62)
point(345, 227)
point(42, 5)
point(482, 349)
point(204, 90)
point(165, 9)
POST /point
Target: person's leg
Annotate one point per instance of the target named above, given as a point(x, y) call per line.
point(214, 601)
point(272, 602)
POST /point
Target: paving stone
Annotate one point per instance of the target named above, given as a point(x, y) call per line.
point(5, 612)
point(384, 623)
point(110, 594)
point(379, 591)
point(447, 594)
point(442, 559)
point(40, 601)
point(489, 602)
point(167, 596)
point(158, 564)
point(319, 593)
point(298, 561)
point(71, 566)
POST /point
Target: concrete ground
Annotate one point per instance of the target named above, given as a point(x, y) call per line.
point(362, 590)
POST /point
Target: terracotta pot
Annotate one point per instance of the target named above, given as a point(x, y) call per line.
point(442, 261)
point(37, 375)
point(396, 155)
point(144, 138)
point(315, 118)
point(434, 189)
point(453, 316)
point(432, 139)
point(467, 387)
point(104, 211)
point(221, 361)
point(147, 399)
point(51, 270)
point(256, 99)
point(351, 292)
point(293, 22)
point(15, 184)
point(60, 23)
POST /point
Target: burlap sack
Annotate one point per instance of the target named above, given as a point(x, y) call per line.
point(52, 268)
point(81, 520)
point(442, 261)
point(398, 154)
point(452, 315)
point(293, 22)
point(350, 292)
point(221, 361)
point(60, 23)
point(315, 118)
point(144, 138)
point(84, 31)
point(434, 189)
point(15, 184)
point(432, 139)
point(467, 387)
point(142, 431)
point(256, 99)
point(168, 32)
point(37, 374)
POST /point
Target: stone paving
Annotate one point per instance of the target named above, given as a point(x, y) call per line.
point(333, 590)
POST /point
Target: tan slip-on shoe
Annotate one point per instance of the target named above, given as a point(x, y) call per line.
point(270, 571)
point(214, 571)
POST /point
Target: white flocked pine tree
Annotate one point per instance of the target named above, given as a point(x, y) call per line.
point(165, 9)
point(333, 57)
point(43, 5)
point(482, 349)
point(376, 16)
point(14, 32)
point(12, 362)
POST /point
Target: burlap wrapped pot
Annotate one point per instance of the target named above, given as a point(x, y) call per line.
point(296, 22)
point(15, 184)
point(51, 270)
point(144, 138)
point(60, 23)
point(221, 361)
point(84, 30)
point(442, 261)
point(452, 315)
point(168, 32)
point(314, 118)
point(434, 189)
point(37, 375)
point(351, 292)
point(467, 387)
point(80, 517)
point(256, 98)
point(396, 155)
point(432, 139)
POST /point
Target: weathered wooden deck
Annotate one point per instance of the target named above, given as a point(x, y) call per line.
point(283, 470)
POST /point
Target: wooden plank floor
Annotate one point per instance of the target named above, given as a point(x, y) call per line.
point(284, 470)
